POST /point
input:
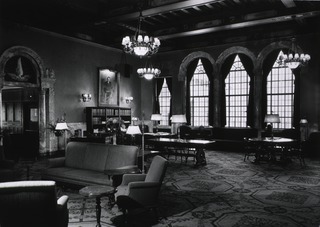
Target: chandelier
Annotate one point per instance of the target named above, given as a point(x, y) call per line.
point(140, 45)
point(293, 59)
point(148, 73)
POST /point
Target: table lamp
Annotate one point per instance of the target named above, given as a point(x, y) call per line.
point(133, 130)
point(178, 119)
point(303, 129)
point(62, 126)
point(156, 118)
point(271, 118)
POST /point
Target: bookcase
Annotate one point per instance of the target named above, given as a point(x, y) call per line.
point(96, 118)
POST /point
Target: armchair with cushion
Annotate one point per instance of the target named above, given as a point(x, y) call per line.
point(7, 170)
point(32, 203)
point(142, 190)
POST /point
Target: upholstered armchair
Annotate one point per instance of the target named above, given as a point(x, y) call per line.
point(142, 190)
point(7, 170)
point(32, 203)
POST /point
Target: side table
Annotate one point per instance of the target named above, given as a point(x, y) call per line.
point(98, 191)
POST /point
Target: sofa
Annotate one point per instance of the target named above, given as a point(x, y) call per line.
point(84, 163)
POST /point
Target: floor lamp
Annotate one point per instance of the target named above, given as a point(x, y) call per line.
point(62, 126)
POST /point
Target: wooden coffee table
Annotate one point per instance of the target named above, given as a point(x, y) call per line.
point(98, 191)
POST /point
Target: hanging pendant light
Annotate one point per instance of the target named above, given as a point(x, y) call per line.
point(293, 59)
point(140, 45)
point(148, 72)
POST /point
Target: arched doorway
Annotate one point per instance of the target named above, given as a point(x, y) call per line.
point(26, 100)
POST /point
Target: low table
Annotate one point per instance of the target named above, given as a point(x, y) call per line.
point(98, 191)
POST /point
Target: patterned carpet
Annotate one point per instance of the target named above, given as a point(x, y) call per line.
point(226, 192)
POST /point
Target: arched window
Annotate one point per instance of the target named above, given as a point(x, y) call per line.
point(164, 102)
point(280, 94)
point(237, 95)
point(199, 97)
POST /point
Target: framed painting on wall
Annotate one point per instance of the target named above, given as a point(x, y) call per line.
point(108, 87)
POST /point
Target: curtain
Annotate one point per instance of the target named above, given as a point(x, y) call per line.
point(225, 69)
point(209, 70)
point(190, 71)
point(296, 97)
point(248, 65)
point(159, 83)
point(169, 83)
point(266, 69)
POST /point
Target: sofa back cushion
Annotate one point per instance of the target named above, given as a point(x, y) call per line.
point(75, 154)
point(121, 155)
point(96, 156)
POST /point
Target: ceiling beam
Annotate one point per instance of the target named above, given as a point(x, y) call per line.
point(163, 9)
point(288, 3)
point(240, 25)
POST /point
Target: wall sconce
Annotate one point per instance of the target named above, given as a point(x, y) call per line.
point(128, 99)
point(86, 97)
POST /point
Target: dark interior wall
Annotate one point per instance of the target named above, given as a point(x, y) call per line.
point(76, 65)
point(310, 75)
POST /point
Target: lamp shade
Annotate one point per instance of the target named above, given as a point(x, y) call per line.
point(179, 118)
point(133, 130)
point(272, 118)
point(303, 121)
point(156, 117)
point(61, 126)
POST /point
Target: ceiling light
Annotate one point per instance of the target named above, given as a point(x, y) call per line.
point(148, 73)
point(140, 45)
point(293, 59)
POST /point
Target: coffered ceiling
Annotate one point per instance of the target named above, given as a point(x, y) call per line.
point(178, 24)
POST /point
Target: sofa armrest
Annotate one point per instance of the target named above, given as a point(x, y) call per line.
point(62, 211)
point(127, 178)
point(63, 200)
point(56, 162)
point(143, 185)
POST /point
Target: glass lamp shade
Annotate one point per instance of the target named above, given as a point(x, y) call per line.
point(179, 118)
point(272, 118)
point(133, 130)
point(293, 64)
point(61, 126)
point(140, 50)
point(148, 76)
point(156, 117)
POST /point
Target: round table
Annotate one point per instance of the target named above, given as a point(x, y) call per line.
point(97, 191)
